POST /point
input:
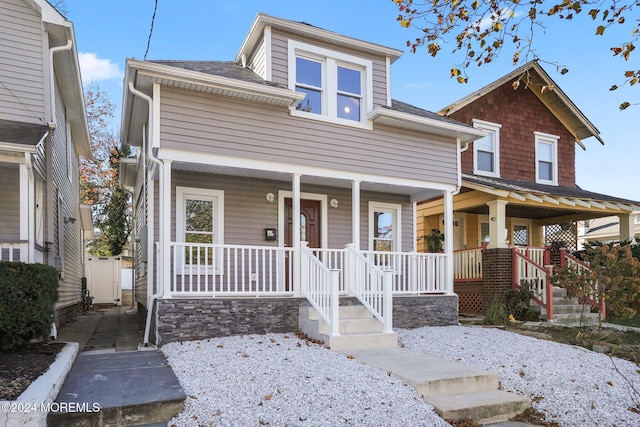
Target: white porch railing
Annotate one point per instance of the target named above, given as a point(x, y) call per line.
point(230, 270)
point(467, 264)
point(320, 287)
point(413, 272)
point(333, 259)
point(14, 251)
point(371, 286)
point(536, 255)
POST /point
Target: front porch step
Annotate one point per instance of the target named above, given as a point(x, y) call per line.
point(575, 318)
point(481, 406)
point(357, 327)
point(568, 311)
point(456, 391)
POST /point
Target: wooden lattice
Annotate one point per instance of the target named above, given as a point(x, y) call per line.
point(563, 235)
point(470, 302)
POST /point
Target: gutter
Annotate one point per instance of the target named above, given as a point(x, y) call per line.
point(52, 124)
point(149, 153)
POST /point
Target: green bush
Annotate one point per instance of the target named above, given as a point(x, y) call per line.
point(28, 294)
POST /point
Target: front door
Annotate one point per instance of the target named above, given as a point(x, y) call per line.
point(309, 227)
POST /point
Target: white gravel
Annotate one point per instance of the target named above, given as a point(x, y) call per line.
point(279, 380)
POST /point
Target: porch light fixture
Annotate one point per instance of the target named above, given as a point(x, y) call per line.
point(270, 197)
point(333, 203)
point(69, 220)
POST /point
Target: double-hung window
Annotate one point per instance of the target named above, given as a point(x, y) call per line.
point(486, 150)
point(546, 158)
point(384, 227)
point(199, 225)
point(337, 86)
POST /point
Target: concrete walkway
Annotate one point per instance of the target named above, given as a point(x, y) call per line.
point(126, 386)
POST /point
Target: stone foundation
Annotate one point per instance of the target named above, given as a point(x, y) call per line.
point(193, 319)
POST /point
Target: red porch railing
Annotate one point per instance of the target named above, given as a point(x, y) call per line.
point(568, 260)
point(537, 276)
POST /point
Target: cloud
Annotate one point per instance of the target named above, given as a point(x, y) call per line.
point(96, 69)
point(417, 85)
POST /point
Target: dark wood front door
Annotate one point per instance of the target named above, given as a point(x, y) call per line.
point(310, 227)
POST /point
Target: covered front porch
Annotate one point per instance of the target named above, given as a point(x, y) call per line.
point(507, 232)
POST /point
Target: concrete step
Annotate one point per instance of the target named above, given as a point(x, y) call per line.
point(429, 375)
point(481, 406)
point(455, 390)
point(575, 318)
point(129, 388)
point(570, 309)
point(346, 312)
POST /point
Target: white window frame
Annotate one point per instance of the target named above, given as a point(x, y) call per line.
point(546, 138)
point(396, 210)
point(483, 219)
point(218, 237)
point(330, 61)
point(493, 128)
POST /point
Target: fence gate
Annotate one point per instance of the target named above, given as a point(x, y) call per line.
point(103, 279)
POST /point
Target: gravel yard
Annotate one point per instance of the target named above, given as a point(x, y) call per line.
point(278, 379)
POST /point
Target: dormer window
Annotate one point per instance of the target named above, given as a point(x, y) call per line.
point(337, 86)
point(546, 158)
point(486, 150)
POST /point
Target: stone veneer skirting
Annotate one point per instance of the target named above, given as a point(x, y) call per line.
point(193, 319)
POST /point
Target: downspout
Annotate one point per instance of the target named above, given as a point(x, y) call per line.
point(154, 159)
point(52, 123)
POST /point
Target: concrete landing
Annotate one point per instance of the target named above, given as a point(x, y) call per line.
point(126, 388)
point(456, 391)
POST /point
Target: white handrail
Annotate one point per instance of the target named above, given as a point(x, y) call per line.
point(320, 287)
point(371, 286)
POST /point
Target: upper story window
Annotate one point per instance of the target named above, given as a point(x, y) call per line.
point(546, 158)
point(486, 150)
point(337, 86)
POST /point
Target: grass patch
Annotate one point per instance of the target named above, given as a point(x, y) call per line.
point(633, 321)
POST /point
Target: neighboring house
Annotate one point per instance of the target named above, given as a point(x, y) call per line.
point(518, 185)
point(297, 140)
point(43, 130)
point(603, 230)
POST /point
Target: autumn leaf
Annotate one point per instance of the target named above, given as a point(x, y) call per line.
point(268, 397)
point(600, 30)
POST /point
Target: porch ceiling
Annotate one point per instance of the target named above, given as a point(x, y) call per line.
point(544, 214)
point(304, 179)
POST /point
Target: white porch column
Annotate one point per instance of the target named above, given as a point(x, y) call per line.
point(355, 214)
point(448, 241)
point(627, 226)
point(26, 213)
point(497, 223)
point(165, 226)
point(295, 232)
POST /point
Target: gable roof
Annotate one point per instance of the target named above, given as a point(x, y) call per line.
point(534, 77)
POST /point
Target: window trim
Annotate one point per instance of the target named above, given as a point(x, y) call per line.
point(541, 137)
point(218, 238)
point(330, 61)
point(396, 210)
point(488, 127)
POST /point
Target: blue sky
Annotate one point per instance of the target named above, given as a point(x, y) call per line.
point(109, 31)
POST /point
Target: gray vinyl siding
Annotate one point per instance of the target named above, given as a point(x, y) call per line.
point(21, 63)
point(10, 203)
point(67, 236)
point(204, 123)
point(247, 213)
point(258, 61)
point(280, 59)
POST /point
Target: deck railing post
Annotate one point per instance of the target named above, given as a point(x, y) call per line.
point(549, 291)
point(335, 302)
point(388, 301)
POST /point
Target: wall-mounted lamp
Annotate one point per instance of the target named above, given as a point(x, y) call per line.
point(493, 219)
point(333, 203)
point(270, 197)
point(69, 220)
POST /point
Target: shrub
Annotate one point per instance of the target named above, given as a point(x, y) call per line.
point(512, 305)
point(28, 293)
